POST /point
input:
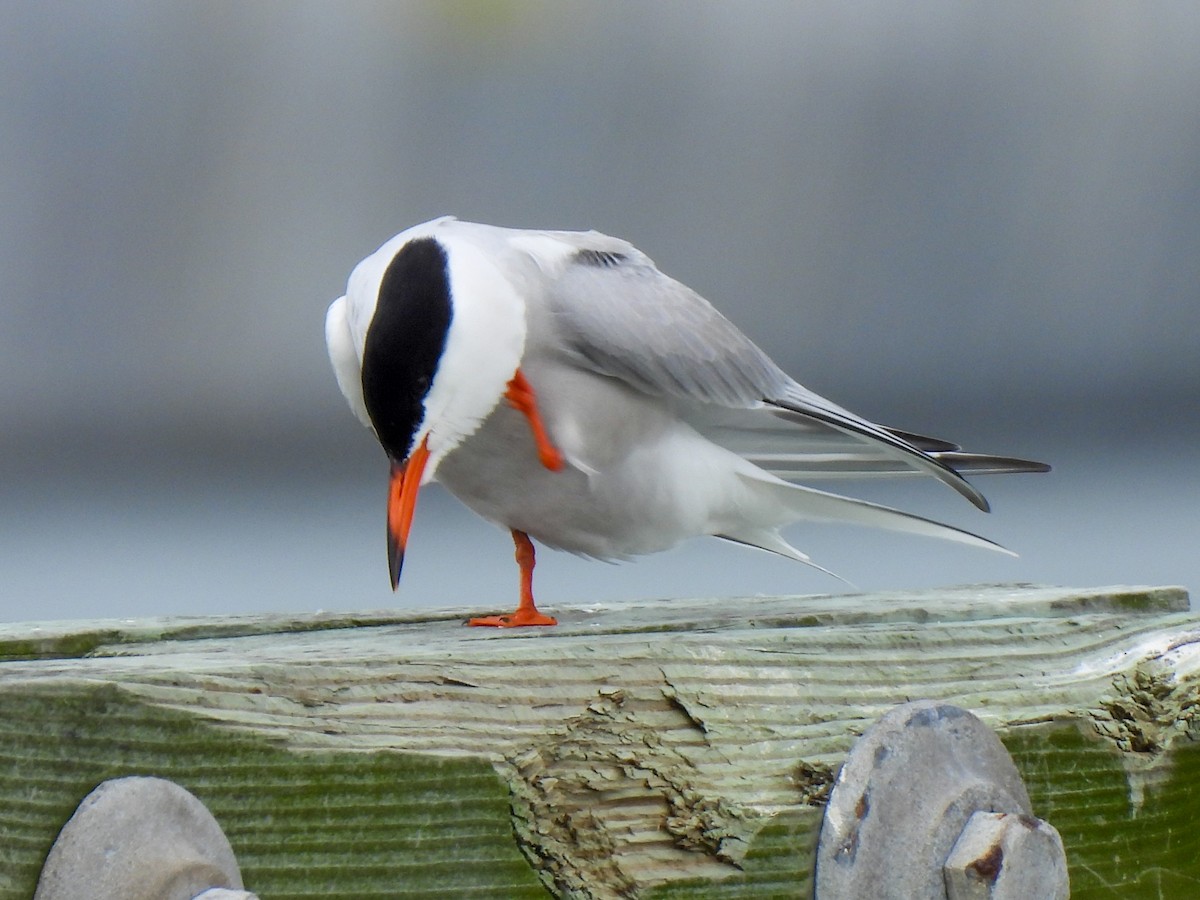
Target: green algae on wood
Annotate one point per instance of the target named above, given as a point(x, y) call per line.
point(1119, 843)
point(314, 824)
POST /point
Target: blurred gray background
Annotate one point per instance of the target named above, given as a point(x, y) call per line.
point(980, 221)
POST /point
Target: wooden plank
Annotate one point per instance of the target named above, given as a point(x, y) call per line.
point(669, 749)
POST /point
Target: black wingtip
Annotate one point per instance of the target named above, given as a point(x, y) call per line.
point(848, 423)
point(923, 441)
point(965, 462)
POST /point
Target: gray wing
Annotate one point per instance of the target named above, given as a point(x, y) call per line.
point(617, 314)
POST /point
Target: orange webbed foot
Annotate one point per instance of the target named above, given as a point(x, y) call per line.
point(515, 619)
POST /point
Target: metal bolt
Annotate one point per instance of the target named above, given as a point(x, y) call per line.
point(1007, 856)
point(910, 816)
point(140, 838)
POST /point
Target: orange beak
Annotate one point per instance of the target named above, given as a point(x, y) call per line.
point(402, 502)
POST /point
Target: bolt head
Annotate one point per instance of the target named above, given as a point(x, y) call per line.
point(1007, 856)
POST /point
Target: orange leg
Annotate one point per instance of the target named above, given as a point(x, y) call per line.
point(527, 613)
point(520, 394)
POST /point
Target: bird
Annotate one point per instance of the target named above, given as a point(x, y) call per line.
point(562, 386)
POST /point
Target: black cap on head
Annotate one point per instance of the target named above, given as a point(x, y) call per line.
point(405, 341)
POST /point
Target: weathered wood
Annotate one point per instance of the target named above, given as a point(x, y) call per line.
point(670, 749)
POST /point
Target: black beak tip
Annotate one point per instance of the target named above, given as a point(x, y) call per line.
point(395, 561)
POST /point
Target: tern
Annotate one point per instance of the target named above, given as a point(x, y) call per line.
point(560, 385)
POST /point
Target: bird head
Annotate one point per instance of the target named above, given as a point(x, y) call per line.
point(436, 331)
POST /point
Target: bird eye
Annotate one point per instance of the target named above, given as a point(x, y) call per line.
point(423, 385)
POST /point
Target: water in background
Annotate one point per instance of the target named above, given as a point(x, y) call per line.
point(233, 539)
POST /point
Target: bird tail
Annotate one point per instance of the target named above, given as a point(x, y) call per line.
point(796, 503)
